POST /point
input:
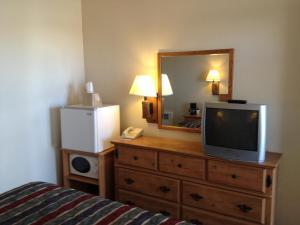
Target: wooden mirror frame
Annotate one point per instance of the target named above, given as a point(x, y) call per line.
point(222, 97)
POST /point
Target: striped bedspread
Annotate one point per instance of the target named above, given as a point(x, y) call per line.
point(43, 203)
point(190, 123)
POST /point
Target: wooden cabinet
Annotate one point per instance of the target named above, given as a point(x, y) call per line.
point(182, 165)
point(177, 179)
point(103, 185)
point(202, 217)
point(230, 203)
point(230, 174)
point(153, 204)
point(137, 157)
point(152, 185)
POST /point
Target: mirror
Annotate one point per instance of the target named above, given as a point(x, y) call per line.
point(188, 79)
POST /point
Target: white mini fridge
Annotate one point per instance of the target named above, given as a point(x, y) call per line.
point(89, 129)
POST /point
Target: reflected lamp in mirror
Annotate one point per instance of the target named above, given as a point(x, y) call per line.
point(214, 77)
point(166, 86)
point(143, 85)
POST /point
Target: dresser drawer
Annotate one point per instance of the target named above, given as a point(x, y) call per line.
point(251, 178)
point(162, 187)
point(225, 202)
point(201, 217)
point(149, 203)
point(182, 165)
point(137, 157)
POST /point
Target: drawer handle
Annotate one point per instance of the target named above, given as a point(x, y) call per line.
point(244, 208)
point(196, 197)
point(129, 181)
point(179, 165)
point(269, 181)
point(164, 189)
point(165, 213)
point(129, 203)
point(195, 221)
point(135, 157)
point(234, 176)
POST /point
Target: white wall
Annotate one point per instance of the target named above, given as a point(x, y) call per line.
point(41, 68)
point(122, 38)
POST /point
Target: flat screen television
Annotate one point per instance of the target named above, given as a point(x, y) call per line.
point(235, 131)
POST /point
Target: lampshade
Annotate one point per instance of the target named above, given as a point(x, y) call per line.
point(143, 85)
point(213, 75)
point(165, 85)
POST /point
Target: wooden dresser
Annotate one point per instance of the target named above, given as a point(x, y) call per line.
point(177, 179)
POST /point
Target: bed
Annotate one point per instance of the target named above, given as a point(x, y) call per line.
point(43, 203)
point(190, 123)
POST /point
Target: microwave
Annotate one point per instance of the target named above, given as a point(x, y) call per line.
point(82, 165)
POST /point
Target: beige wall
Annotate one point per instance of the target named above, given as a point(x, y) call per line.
point(41, 68)
point(121, 39)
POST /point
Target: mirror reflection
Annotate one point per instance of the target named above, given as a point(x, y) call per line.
point(187, 81)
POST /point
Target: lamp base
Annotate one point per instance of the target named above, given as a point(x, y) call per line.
point(150, 109)
point(215, 88)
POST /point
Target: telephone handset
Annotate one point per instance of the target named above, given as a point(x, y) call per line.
point(132, 133)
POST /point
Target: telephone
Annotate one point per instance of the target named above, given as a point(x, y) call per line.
point(132, 133)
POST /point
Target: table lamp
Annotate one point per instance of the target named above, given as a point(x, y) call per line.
point(143, 85)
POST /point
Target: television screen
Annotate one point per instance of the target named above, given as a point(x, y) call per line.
point(232, 128)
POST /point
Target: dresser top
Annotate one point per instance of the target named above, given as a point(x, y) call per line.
point(188, 148)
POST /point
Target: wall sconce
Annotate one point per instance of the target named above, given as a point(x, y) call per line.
point(165, 85)
point(143, 85)
point(214, 77)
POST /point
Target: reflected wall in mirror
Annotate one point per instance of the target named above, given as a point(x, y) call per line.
point(188, 79)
